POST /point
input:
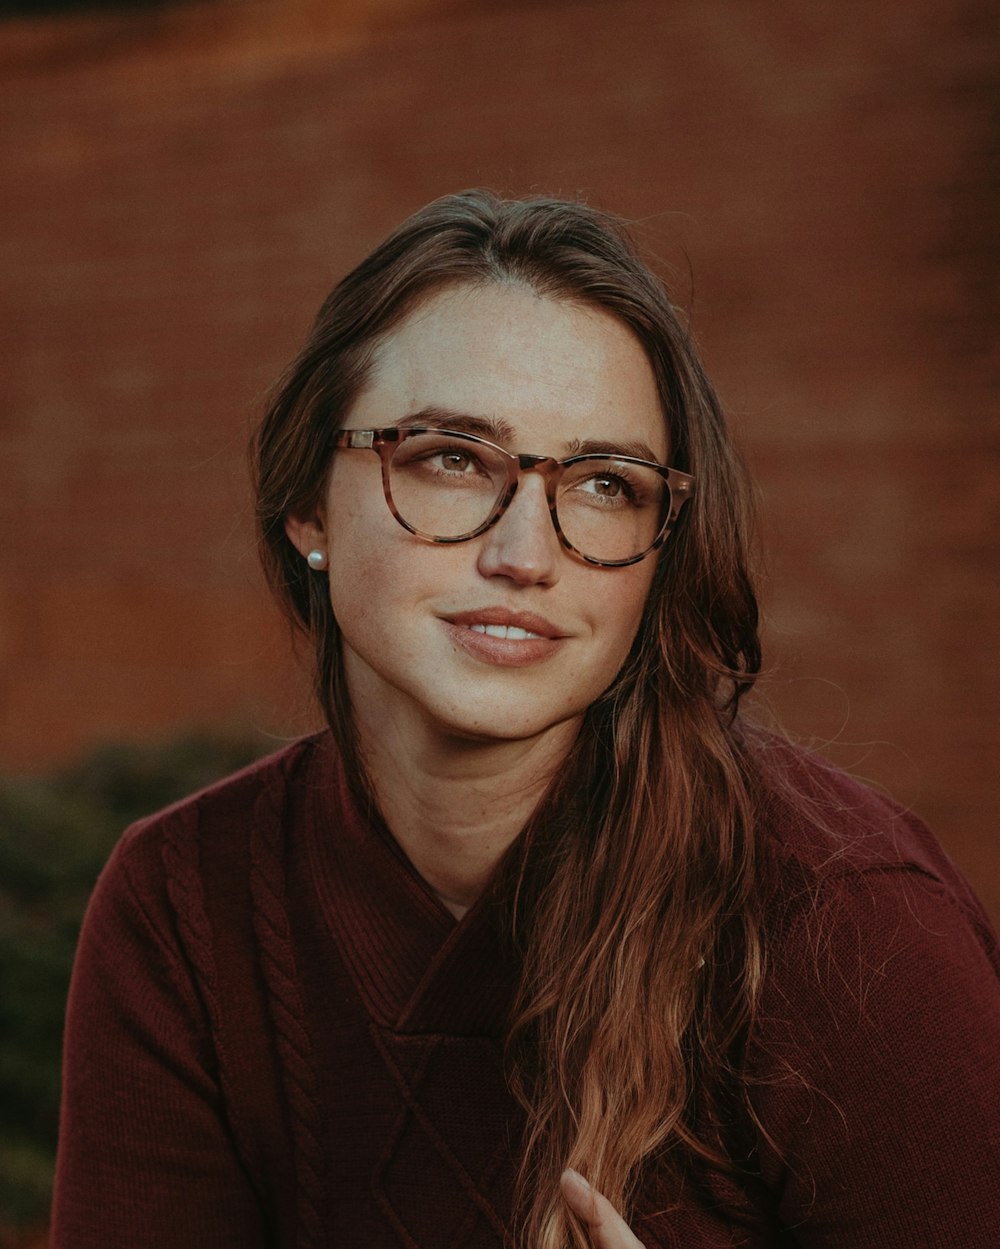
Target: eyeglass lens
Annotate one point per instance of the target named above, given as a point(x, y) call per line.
point(446, 487)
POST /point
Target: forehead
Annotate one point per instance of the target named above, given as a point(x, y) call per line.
point(555, 371)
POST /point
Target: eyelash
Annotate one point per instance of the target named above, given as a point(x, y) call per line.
point(471, 467)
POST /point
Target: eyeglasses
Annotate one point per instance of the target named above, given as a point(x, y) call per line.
point(443, 486)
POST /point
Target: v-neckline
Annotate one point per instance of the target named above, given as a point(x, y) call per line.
point(417, 968)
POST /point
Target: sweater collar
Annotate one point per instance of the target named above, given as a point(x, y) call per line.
point(416, 968)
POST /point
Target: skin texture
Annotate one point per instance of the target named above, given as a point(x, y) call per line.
point(462, 734)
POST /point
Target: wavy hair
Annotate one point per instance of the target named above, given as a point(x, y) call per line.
point(632, 893)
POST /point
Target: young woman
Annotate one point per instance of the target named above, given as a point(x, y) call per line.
point(541, 944)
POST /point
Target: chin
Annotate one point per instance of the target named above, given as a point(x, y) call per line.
point(501, 725)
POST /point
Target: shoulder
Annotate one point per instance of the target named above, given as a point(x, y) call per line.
point(826, 837)
point(866, 921)
point(163, 863)
point(853, 884)
point(873, 1047)
point(171, 910)
point(226, 809)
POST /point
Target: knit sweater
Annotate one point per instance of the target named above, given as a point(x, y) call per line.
point(277, 1036)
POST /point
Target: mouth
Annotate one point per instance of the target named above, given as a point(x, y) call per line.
point(509, 632)
point(510, 626)
point(502, 638)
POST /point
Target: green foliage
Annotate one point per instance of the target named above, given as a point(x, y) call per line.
point(55, 835)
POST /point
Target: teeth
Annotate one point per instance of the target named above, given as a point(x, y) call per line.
point(510, 632)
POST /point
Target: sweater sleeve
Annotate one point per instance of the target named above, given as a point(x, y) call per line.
point(145, 1155)
point(878, 1070)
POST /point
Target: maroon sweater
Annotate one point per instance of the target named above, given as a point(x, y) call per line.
point(277, 1036)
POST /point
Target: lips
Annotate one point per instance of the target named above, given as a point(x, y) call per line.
point(504, 638)
point(501, 622)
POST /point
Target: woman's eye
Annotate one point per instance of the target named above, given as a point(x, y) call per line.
point(607, 486)
point(456, 461)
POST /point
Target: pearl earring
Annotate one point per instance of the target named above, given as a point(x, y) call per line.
point(316, 560)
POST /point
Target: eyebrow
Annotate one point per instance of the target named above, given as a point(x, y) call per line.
point(461, 422)
point(499, 431)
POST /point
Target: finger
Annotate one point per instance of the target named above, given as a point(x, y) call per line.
point(606, 1226)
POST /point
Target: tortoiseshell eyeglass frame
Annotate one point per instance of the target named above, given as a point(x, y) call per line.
point(384, 443)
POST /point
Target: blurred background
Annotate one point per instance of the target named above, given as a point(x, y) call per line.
point(184, 182)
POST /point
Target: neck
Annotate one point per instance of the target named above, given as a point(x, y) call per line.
point(456, 805)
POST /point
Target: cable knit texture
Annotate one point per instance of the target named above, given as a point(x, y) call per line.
point(277, 1037)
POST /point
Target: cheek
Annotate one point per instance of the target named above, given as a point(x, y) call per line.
point(379, 578)
point(360, 540)
point(618, 602)
point(630, 601)
point(362, 579)
point(633, 605)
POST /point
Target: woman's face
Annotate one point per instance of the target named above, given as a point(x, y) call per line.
point(535, 375)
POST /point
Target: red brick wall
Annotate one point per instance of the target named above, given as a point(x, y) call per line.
point(182, 188)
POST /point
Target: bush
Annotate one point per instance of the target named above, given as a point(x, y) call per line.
point(55, 835)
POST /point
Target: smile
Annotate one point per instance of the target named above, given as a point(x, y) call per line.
point(505, 625)
point(510, 632)
point(502, 638)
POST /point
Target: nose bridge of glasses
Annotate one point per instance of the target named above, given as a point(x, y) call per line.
point(544, 465)
point(523, 523)
point(548, 470)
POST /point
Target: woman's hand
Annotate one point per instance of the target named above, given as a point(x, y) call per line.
point(608, 1229)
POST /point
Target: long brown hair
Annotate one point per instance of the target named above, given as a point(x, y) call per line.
point(632, 893)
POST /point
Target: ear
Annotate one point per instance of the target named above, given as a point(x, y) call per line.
point(306, 533)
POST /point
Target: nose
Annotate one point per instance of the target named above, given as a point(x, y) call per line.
point(523, 545)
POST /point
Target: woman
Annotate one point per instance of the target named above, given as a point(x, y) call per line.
point(541, 905)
